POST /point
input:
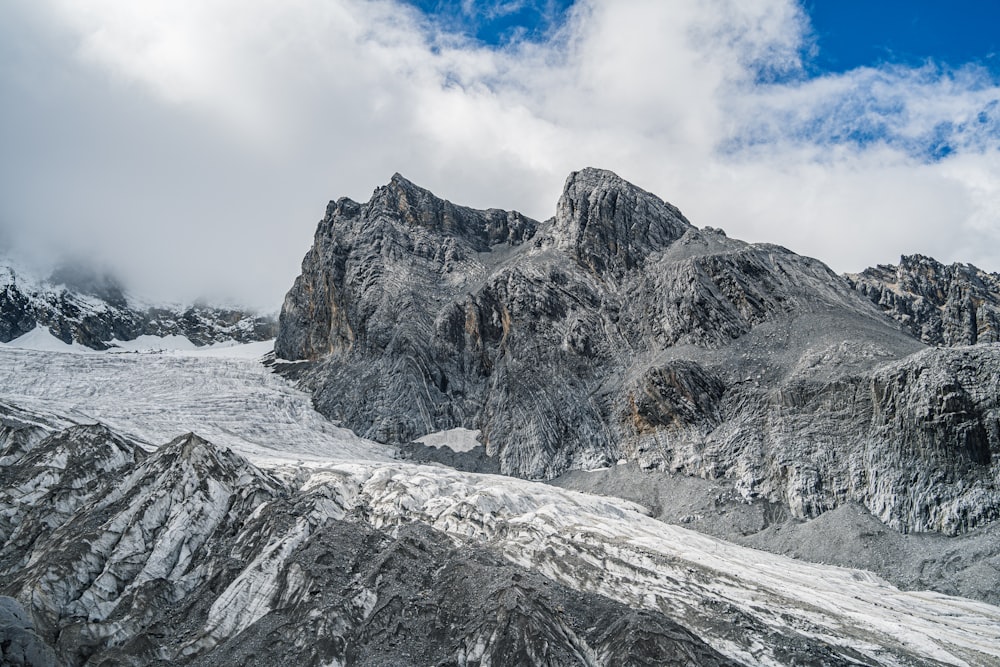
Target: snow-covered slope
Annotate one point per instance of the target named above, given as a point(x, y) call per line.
point(321, 549)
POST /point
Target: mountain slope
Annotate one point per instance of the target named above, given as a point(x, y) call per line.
point(191, 555)
point(617, 330)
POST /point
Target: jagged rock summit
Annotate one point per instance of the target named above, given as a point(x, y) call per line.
point(617, 330)
point(941, 305)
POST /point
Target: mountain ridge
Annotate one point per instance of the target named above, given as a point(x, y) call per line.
point(616, 330)
point(957, 304)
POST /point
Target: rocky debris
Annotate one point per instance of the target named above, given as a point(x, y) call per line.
point(21, 430)
point(147, 533)
point(415, 598)
point(617, 330)
point(79, 305)
point(941, 305)
point(474, 460)
point(191, 555)
point(729, 596)
point(42, 488)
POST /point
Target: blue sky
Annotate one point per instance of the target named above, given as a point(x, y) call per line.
point(847, 33)
point(497, 23)
point(196, 144)
point(856, 33)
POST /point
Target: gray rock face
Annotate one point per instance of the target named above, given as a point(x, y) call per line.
point(940, 305)
point(77, 305)
point(617, 330)
point(192, 556)
point(20, 646)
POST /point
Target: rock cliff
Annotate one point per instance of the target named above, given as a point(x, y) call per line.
point(617, 330)
point(941, 305)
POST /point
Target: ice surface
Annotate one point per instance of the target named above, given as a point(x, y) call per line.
point(222, 394)
point(610, 547)
point(147, 343)
point(183, 346)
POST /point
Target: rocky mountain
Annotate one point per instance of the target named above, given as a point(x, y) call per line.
point(941, 305)
point(195, 509)
point(78, 304)
point(617, 331)
point(190, 554)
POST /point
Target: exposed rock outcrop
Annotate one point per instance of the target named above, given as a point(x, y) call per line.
point(617, 330)
point(941, 305)
point(20, 645)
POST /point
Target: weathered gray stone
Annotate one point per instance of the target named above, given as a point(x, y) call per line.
point(20, 646)
point(942, 305)
point(136, 570)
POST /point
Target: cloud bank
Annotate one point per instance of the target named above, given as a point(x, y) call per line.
point(194, 145)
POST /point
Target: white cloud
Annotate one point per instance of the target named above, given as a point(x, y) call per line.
point(219, 128)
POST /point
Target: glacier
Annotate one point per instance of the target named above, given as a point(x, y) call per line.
point(112, 508)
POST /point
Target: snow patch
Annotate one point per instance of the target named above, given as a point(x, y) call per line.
point(180, 345)
point(148, 343)
point(42, 340)
point(456, 439)
point(233, 350)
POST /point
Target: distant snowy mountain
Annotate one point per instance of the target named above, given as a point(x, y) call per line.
point(82, 306)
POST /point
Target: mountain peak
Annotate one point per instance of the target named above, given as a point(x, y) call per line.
point(610, 224)
point(414, 206)
point(402, 181)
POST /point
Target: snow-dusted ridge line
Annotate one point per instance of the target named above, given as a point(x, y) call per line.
point(79, 305)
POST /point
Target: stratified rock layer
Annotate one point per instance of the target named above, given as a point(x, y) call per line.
point(941, 305)
point(617, 330)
